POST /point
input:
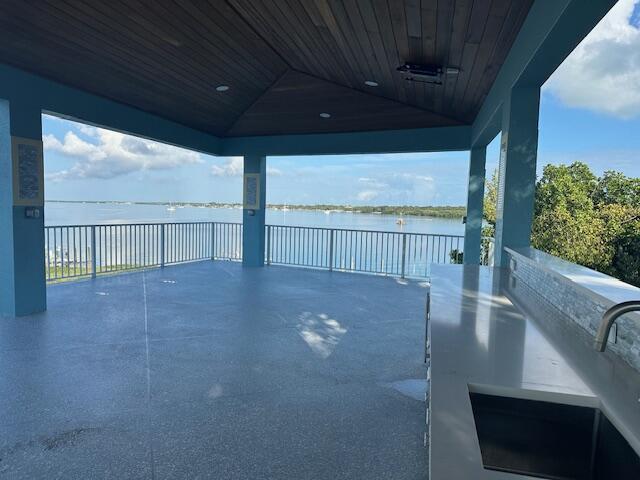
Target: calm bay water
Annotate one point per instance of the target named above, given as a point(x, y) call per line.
point(74, 251)
point(92, 213)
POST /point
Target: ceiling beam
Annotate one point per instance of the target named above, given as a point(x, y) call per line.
point(551, 31)
point(437, 139)
point(67, 102)
point(74, 104)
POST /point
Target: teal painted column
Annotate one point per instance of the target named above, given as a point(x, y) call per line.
point(22, 270)
point(253, 213)
point(475, 204)
point(517, 171)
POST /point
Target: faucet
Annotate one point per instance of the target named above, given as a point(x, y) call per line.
point(611, 316)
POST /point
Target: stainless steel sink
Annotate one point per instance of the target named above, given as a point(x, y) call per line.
point(551, 440)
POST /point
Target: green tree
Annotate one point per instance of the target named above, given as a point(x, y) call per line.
point(565, 186)
point(491, 199)
point(584, 219)
point(622, 240)
point(626, 260)
point(616, 188)
point(489, 206)
point(575, 235)
point(565, 222)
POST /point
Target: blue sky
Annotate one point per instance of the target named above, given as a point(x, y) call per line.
point(590, 111)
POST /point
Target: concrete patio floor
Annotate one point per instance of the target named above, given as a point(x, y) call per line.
point(209, 370)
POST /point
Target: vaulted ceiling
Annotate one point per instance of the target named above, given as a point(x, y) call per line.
point(284, 61)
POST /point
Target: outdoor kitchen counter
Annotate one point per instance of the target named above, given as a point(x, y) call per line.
point(486, 332)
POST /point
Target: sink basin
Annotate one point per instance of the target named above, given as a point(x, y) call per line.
point(550, 440)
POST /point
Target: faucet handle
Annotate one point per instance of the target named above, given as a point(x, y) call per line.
point(610, 316)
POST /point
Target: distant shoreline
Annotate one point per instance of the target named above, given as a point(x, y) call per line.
point(409, 210)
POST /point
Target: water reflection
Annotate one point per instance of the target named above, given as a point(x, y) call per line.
point(91, 213)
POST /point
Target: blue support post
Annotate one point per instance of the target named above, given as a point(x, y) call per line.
point(475, 205)
point(517, 171)
point(253, 213)
point(22, 267)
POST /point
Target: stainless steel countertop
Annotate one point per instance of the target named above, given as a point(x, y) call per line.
point(480, 338)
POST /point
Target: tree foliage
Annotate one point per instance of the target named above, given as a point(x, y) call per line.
point(616, 188)
point(412, 210)
point(584, 219)
point(489, 210)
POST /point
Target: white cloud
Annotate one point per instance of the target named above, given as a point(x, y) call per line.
point(396, 188)
point(234, 167)
point(111, 154)
point(373, 183)
point(368, 195)
point(603, 73)
point(73, 146)
point(412, 178)
point(88, 130)
point(316, 170)
point(374, 189)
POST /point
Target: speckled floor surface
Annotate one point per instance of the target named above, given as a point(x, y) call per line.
point(209, 370)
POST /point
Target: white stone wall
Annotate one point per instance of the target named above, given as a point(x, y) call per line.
point(579, 305)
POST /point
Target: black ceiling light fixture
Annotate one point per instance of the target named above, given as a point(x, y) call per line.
point(426, 73)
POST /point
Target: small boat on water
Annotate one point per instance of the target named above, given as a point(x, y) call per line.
point(400, 221)
point(171, 208)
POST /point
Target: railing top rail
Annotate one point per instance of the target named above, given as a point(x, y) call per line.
point(338, 229)
point(304, 227)
point(202, 222)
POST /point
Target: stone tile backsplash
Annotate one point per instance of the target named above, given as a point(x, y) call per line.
point(579, 305)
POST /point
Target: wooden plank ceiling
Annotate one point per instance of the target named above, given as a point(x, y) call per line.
point(285, 61)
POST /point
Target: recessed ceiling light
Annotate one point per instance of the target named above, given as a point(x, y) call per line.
point(325, 115)
point(222, 88)
point(371, 83)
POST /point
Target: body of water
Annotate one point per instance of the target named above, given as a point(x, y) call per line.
point(94, 213)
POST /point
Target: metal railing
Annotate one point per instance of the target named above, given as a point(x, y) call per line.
point(367, 251)
point(88, 250)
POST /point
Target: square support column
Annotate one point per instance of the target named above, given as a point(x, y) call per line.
point(475, 205)
point(253, 213)
point(517, 171)
point(22, 268)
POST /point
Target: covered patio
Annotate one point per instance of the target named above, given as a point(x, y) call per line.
point(224, 370)
point(214, 369)
point(237, 78)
